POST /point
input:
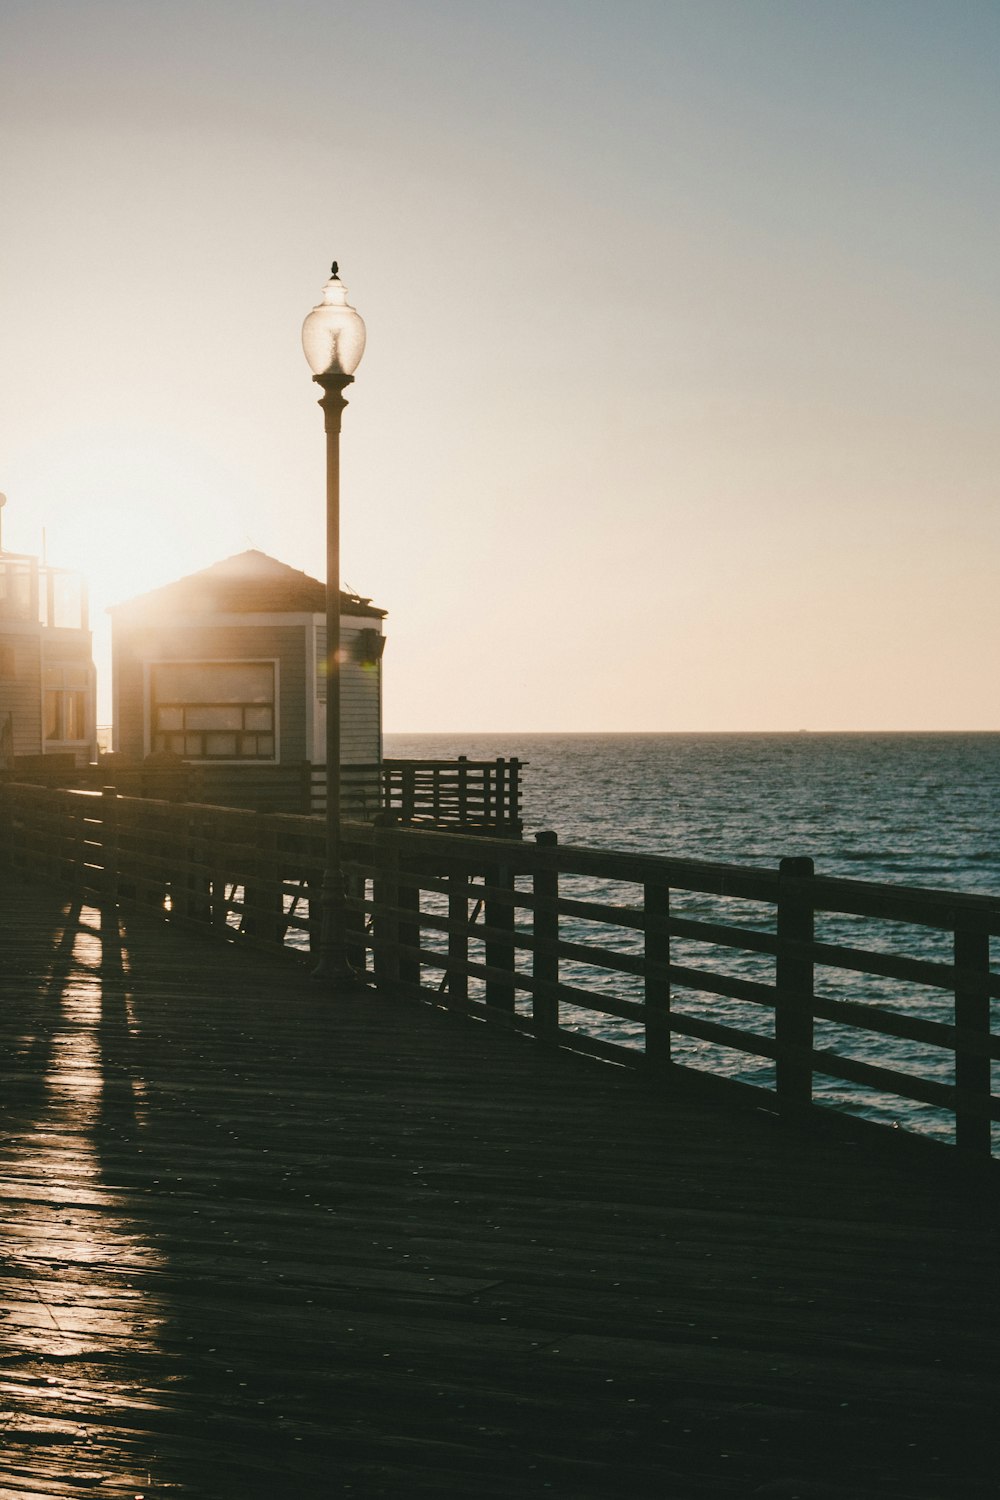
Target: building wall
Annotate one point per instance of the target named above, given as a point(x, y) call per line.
point(21, 688)
point(296, 641)
point(135, 649)
point(360, 696)
point(25, 652)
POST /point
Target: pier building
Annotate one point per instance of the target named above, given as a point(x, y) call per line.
point(227, 667)
point(47, 678)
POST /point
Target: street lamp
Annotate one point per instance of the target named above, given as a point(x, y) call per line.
point(333, 338)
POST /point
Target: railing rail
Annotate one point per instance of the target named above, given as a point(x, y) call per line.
point(790, 983)
point(483, 796)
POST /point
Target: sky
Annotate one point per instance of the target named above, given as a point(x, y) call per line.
point(680, 404)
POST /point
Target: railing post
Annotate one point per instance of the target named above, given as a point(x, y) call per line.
point(6, 827)
point(463, 790)
point(355, 937)
point(973, 1072)
point(793, 1012)
point(499, 913)
point(545, 967)
point(79, 817)
point(355, 952)
point(65, 833)
point(408, 903)
point(385, 917)
point(314, 917)
point(109, 843)
point(514, 794)
point(656, 916)
point(457, 973)
point(149, 846)
point(124, 846)
point(263, 899)
point(45, 840)
point(198, 900)
point(217, 881)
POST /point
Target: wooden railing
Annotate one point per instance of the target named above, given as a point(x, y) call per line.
point(782, 981)
point(463, 793)
point(482, 796)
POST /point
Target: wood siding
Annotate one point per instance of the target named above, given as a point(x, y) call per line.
point(360, 698)
point(21, 693)
point(24, 654)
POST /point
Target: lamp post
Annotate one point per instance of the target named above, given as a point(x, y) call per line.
point(333, 338)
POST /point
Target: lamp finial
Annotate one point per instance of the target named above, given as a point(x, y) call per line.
point(333, 271)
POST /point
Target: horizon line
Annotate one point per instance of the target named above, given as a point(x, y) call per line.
point(487, 732)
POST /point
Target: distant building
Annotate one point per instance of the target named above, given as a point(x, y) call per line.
point(228, 666)
point(47, 678)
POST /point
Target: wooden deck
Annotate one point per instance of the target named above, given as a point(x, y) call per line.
point(259, 1244)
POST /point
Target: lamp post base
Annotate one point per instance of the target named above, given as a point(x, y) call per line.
point(332, 967)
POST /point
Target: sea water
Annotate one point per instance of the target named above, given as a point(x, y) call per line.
point(909, 809)
point(918, 809)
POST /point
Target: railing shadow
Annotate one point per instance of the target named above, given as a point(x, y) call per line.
point(81, 1348)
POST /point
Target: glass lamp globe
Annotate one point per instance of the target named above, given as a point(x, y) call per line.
point(333, 334)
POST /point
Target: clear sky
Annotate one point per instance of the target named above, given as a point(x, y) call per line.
point(680, 404)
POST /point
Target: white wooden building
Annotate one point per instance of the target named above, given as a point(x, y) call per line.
point(228, 667)
point(47, 679)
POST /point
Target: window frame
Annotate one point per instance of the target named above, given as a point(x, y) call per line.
point(68, 700)
point(153, 735)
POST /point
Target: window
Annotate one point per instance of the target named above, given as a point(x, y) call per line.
point(66, 703)
point(218, 710)
point(15, 591)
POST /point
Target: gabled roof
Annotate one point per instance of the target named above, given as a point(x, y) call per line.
point(249, 583)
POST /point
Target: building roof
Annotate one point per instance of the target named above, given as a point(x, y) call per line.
point(249, 583)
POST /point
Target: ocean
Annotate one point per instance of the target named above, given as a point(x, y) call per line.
point(919, 809)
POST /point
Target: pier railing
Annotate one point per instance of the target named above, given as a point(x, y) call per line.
point(808, 990)
point(477, 796)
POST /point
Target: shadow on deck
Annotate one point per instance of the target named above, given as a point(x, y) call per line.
point(258, 1244)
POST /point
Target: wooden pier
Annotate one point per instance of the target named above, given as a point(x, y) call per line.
point(258, 1243)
